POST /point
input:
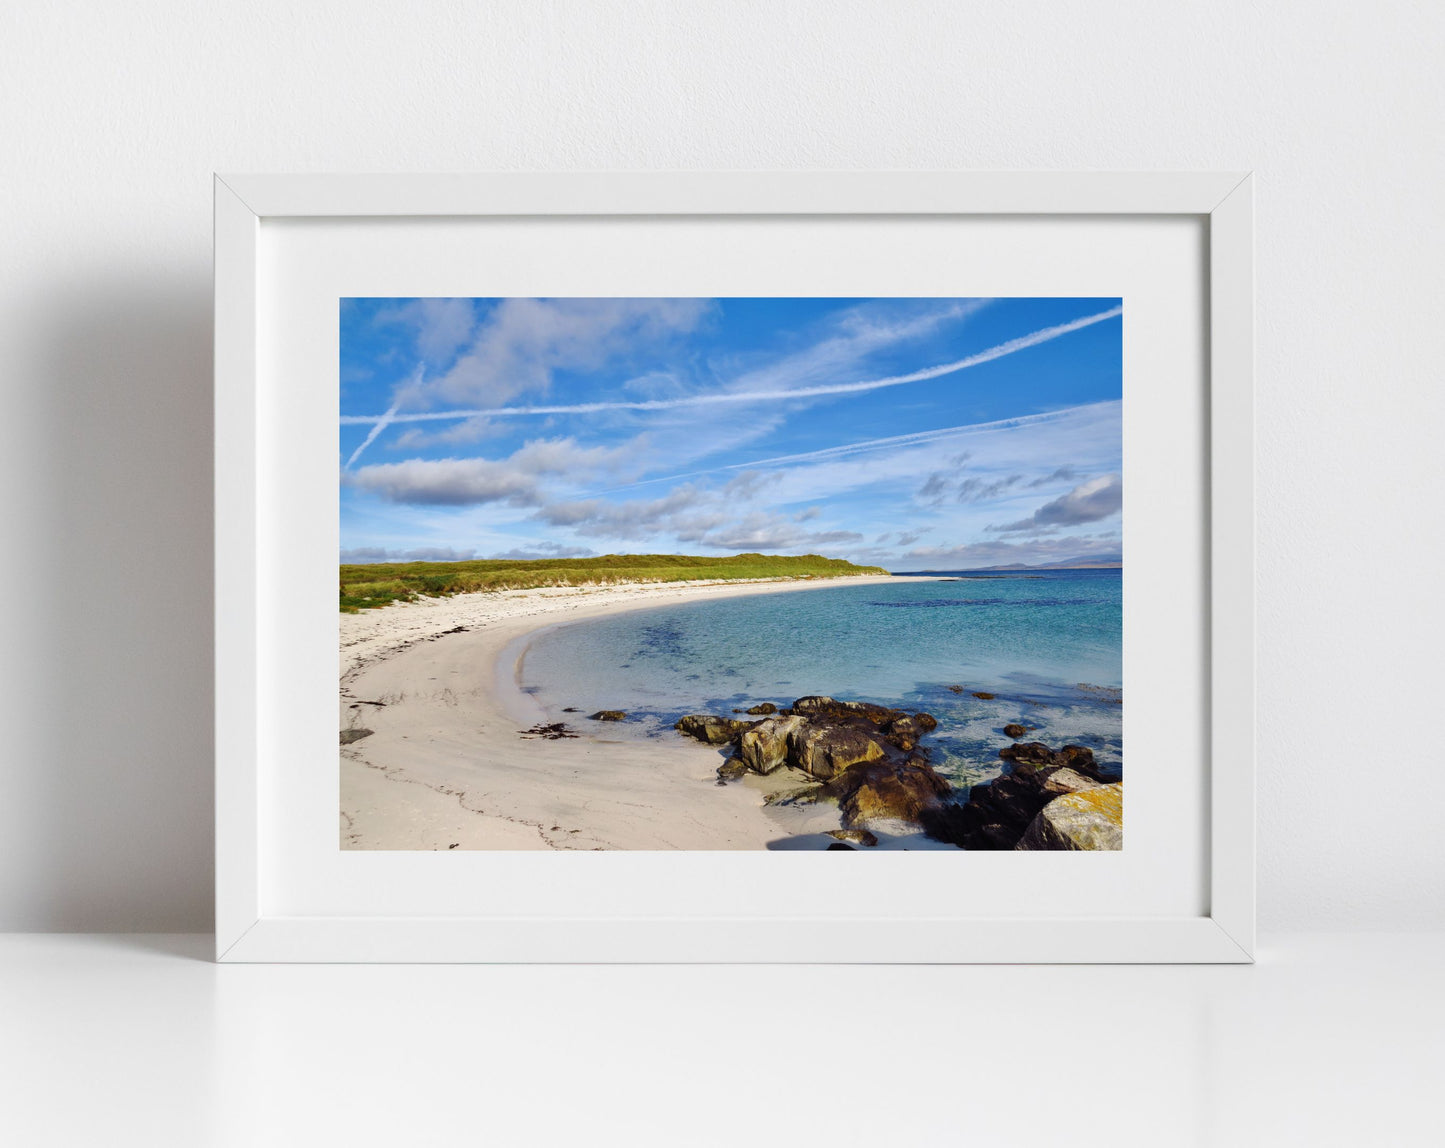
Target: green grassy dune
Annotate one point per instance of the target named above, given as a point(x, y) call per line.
point(367, 586)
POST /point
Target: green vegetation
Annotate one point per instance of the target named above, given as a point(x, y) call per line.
point(376, 585)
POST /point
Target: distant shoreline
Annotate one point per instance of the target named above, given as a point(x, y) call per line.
point(1014, 568)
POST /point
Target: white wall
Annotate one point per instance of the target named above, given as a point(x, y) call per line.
point(113, 115)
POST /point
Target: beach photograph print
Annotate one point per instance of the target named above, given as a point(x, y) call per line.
point(729, 574)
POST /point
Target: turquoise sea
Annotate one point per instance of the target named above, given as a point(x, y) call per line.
point(1046, 643)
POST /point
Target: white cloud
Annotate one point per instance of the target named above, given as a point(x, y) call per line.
point(441, 325)
point(447, 482)
point(534, 550)
point(694, 516)
point(1088, 502)
point(639, 518)
point(463, 433)
point(857, 333)
point(521, 342)
point(472, 481)
point(761, 531)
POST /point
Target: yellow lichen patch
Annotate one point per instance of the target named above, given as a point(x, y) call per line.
point(1105, 800)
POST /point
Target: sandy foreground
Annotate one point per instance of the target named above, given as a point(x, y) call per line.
point(449, 767)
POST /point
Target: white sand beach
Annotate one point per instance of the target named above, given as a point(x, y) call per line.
point(448, 767)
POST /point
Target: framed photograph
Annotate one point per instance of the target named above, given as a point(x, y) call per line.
point(599, 555)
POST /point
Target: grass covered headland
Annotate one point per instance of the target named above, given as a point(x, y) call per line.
point(366, 586)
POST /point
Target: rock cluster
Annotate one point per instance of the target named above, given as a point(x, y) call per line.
point(866, 757)
point(1050, 799)
point(862, 755)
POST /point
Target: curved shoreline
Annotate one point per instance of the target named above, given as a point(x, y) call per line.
point(446, 767)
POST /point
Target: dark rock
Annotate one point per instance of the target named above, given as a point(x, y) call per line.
point(1013, 729)
point(878, 715)
point(762, 708)
point(1078, 757)
point(948, 821)
point(825, 707)
point(903, 732)
point(926, 722)
point(984, 696)
point(570, 710)
point(857, 836)
point(888, 791)
point(1030, 753)
point(713, 730)
point(955, 689)
point(732, 768)
point(840, 846)
point(608, 715)
point(355, 734)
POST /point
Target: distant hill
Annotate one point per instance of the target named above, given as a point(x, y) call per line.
point(1108, 562)
point(378, 583)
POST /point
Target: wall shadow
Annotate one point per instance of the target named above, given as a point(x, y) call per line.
point(120, 836)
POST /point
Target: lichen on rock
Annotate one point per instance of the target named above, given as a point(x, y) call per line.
point(1092, 818)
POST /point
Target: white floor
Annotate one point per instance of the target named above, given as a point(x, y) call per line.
point(1329, 1039)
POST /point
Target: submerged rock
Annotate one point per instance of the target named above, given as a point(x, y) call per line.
point(355, 734)
point(713, 730)
point(608, 715)
point(1037, 755)
point(1028, 753)
point(1092, 818)
point(803, 795)
point(1013, 729)
point(984, 695)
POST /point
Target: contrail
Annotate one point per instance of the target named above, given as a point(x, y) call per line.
point(388, 418)
point(998, 352)
point(918, 438)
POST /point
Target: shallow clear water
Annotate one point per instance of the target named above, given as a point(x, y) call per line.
point(1047, 644)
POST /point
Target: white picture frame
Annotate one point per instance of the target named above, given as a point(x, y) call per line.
point(246, 931)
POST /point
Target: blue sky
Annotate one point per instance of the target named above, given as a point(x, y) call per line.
point(907, 433)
